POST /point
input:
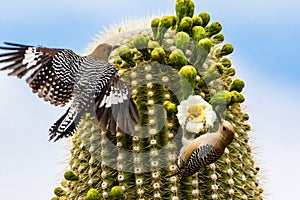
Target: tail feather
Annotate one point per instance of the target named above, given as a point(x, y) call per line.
point(65, 126)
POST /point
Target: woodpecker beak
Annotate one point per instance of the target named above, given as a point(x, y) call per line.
point(114, 47)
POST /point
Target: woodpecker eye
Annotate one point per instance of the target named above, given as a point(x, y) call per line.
point(224, 128)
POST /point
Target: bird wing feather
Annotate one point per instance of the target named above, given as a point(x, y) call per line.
point(115, 109)
point(204, 155)
point(50, 70)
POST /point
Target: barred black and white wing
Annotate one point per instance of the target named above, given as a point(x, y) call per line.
point(115, 109)
point(91, 81)
point(201, 157)
point(51, 70)
point(60, 75)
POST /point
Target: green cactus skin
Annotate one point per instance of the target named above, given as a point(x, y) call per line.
point(163, 68)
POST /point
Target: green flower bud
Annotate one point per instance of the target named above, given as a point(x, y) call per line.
point(198, 33)
point(184, 8)
point(186, 24)
point(59, 192)
point(55, 198)
point(141, 42)
point(197, 21)
point(226, 50)
point(221, 100)
point(158, 54)
point(178, 59)
point(236, 97)
point(230, 72)
point(116, 192)
point(118, 61)
point(126, 54)
point(191, 8)
point(226, 62)
point(165, 23)
point(261, 190)
point(189, 73)
point(153, 45)
point(205, 44)
point(228, 81)
point(154, 26)
point(245, 117)
point(93, 194)
point(213, 29)
point(169, 106)
point(182, 40)
point(155, 22)
point(71, 176)
point(218, 38)
point(205, 18)
point(247, 127)
point(174, 22)
point(237, 85)
point(219, 67)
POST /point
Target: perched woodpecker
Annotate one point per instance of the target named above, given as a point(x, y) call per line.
point(89, 83)
point(204, 149)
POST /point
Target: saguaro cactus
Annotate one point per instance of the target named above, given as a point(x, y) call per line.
point(179, 56)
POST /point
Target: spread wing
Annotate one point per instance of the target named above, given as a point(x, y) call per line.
point(115, 109)
point(51, 71)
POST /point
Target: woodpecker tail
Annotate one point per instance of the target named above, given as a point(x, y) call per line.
point(66, 125)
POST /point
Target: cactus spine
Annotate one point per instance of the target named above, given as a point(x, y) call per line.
point(163, 67)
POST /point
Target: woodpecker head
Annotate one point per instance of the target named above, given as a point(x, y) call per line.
point(102, 51)
point(226, 129)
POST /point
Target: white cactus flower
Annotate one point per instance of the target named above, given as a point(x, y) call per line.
point(195, 113)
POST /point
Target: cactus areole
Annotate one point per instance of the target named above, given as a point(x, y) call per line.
point(168, 64)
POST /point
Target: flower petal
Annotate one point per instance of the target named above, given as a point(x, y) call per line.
point(194, 127)
point(187, 110)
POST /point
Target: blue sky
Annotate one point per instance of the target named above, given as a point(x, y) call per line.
point(266, 38)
